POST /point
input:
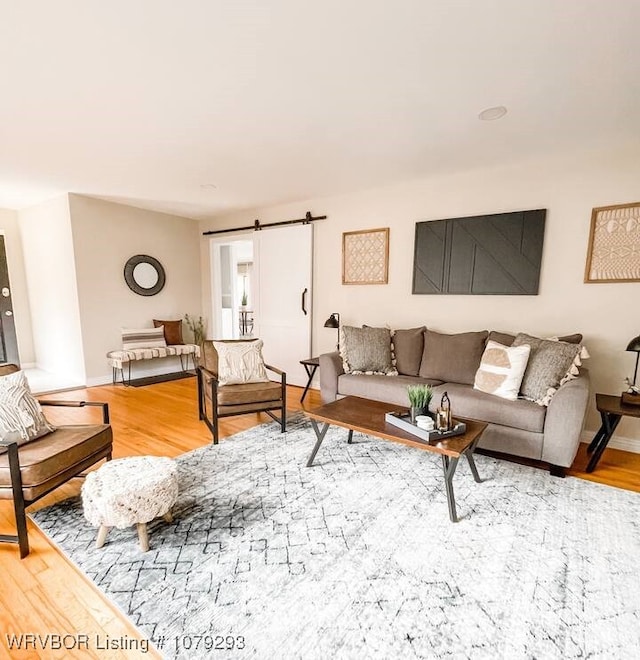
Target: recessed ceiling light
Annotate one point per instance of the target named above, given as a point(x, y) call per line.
point(208, 186)
point(493, 113)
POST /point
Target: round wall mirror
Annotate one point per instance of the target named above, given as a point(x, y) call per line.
point(144, 275)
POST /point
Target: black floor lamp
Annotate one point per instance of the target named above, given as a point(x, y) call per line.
point(334, 322)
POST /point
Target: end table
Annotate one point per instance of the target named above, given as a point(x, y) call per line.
point(611, 410)
point(310, 365)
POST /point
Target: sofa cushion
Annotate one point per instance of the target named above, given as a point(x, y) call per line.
point(452, 358)
point(503, 338)
point(172, 331)
point(550, 364)
point(467, 402)
point(380, 388)
point(501, 370)
point(408, 346)
point(248, 393)
point(367, 350)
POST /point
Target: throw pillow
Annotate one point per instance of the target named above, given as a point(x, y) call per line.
point(551, 364)
point(20, 414)
point(503, 338)
point(408, 346)
point(501, 370)
point(452, 358)
point(507, 339)
point(366, 350)
point(145, 338)
point(172, 331)
point(240, 362)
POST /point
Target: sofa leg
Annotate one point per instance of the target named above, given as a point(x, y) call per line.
point(557, 471)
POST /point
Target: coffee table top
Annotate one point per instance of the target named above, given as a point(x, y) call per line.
point(367, 416)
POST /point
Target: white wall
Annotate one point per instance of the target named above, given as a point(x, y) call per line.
point(51, 279)
point(105, 236)
point(568, 186)
point(19, 295)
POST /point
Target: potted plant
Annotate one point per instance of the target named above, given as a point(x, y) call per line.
point(197, 327)
point(419, 398)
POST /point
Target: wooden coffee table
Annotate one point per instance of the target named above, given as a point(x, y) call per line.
point(366, 416)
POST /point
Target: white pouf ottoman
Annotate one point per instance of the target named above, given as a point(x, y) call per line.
point(130, 491)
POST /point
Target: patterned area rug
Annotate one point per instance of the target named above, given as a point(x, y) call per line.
point(356, 557)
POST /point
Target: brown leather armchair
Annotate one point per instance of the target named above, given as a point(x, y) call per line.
point(30, 471)
point(216, 401)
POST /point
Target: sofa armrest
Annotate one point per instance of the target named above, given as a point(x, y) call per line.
point(564, 421)
point(330, 369)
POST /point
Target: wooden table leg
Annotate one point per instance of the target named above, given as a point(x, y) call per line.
point(143, 535)
point(102, 536)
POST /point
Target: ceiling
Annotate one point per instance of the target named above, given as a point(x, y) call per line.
point(200, 107)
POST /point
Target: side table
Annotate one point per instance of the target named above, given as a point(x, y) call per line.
point(611, 410)
point(310, 365)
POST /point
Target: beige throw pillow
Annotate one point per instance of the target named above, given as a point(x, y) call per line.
point(143, 338)
point(20, 414)
point(501, 370)
point(240, 362)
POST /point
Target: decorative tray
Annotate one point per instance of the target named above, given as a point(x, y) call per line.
point(403, 421)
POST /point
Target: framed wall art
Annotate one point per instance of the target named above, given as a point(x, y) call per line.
point(365, 256)
point(614, 244)
point(498, 254)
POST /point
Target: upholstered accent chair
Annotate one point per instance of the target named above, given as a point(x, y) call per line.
point(217, 400)
point(30, 471)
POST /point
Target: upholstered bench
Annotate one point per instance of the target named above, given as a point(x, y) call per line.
point(164, 340)
point(118, 360)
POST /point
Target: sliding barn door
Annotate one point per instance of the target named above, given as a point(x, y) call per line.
point(283, 316)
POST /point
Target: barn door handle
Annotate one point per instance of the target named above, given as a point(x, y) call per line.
point(304, 301)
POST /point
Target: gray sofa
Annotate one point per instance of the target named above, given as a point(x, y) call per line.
point(520, 428)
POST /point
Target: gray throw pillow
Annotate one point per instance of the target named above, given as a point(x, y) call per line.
point(452, 358)
point(550, 363)
point(367, 351)
point(408, 346)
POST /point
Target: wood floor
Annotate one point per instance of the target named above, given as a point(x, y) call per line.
point(44, 593)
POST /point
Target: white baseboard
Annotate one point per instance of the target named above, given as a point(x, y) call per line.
point(617, 442)
point(27, 365)
point(99, 380)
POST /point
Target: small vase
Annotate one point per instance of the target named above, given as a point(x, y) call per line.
point(414, 412)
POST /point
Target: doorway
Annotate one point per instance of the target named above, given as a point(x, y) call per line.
point(232, 285)
point(270, 271)
point(8, 339)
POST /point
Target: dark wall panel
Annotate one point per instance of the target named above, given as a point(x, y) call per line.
point(487, 254)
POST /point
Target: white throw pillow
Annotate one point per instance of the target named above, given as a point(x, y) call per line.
point(143, 338)
point(20, 413)
point(501, 370)
point(240, 362)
